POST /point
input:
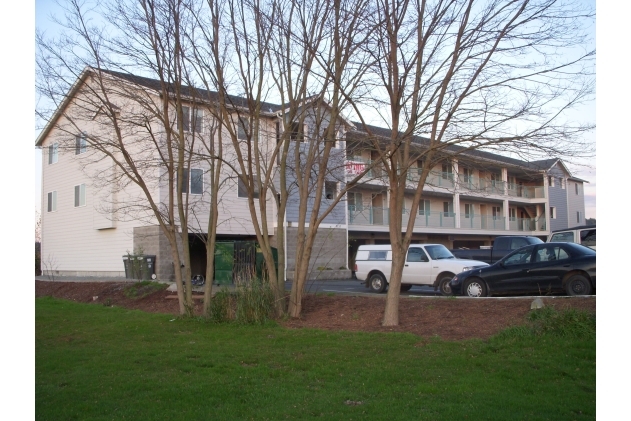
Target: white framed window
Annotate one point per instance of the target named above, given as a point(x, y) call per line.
point(81, 144)
point(330, 189)
point(52, 201)
point(447, 209)
point(355, 200)
point(242, 190)
point(576, 187)
point(447, 171)
point(424, 207)
point(192, 119)
point(512, 214)
point(496, 212)
point(79, 195)
point(563, 181)
point(550, 181)
point(553, 212)
point(243, 127)
point(53, 153)
point(578, 217)
point(468, 210)
point(193, 181)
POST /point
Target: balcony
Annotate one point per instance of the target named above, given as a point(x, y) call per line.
point(470, 221)
point(529, 192)
point(380, 217)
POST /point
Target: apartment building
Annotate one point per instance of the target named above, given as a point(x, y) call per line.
point(89, 222)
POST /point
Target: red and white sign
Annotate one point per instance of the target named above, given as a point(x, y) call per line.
point(354, 168)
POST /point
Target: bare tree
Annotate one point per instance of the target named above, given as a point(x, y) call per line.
point(129, 148)
point(451, 77)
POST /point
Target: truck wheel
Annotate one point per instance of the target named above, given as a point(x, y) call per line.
point(578, 285)
point(443, 285)
point(377, 283)
point(475, 287)
point(405, 287)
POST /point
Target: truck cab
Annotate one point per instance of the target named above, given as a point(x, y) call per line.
point(584, 235)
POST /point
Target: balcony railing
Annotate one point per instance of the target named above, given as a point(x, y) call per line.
point(356, 165)
point(472, 221)
point(368, 215)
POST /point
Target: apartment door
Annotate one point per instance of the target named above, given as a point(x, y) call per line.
point(377, 209)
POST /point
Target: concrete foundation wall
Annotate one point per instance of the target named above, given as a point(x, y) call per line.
point(329, 256)
point(152, 241)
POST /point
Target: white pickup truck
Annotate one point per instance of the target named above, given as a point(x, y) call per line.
point(425, 264)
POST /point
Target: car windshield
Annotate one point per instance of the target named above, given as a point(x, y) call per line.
point(439, 252)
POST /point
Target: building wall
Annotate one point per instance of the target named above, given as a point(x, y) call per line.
point(329, 249)
point(576, 203)
point(558, 198)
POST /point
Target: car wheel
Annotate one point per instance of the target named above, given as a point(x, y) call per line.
point(443, 285)
point(377, 283)
point(475, 288)
point(405, 287)
point(578, 285)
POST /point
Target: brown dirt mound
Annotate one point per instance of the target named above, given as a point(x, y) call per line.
point(451, 319)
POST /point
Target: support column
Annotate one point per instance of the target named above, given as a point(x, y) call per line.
point(507, 215)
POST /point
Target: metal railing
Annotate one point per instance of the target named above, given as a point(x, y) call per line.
point(369, 215)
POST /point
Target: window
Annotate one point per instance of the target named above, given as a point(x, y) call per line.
point(588, 238)
point(512, 214)
point(243, 191)
point(578, 217)
point(566, 237)
point(576, 187)
point(417, 255)
point(497, 212)
point(355, 201)
point(563, 181)
point(519, 257)
point(550, 181)
point(80, 144)
point(419, 166)
point(197, 181)
point(550, 253)
point(243, 127)
point(193, 119)
point(446, 209)
point(79, 195)
point(297, 132)
point(52, 201)
point(468, 175)
point(553, 214)
point(447, 172)
point(193, 181)
point(468, 210)
point(377, 255)
point(330, 189)
point(423, 207)
point(53, 154)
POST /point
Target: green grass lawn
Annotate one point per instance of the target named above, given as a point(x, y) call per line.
point(103, 363)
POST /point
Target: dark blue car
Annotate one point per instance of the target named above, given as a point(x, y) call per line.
point(539, 268)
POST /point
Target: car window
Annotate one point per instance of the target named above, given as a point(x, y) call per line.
point(563, 237)
point(519, 257)
point(438, 252)
point(417, 255)
point(518, 243)
point(550, 253)
point(377, 255)
point(588, 237)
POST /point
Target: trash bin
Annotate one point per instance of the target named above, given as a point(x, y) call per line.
point(148, 267)
point(139, 266)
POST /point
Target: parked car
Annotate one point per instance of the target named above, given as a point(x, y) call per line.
point(425, 264)
point(538, 268)
point(502, 245)
point(585, 235)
